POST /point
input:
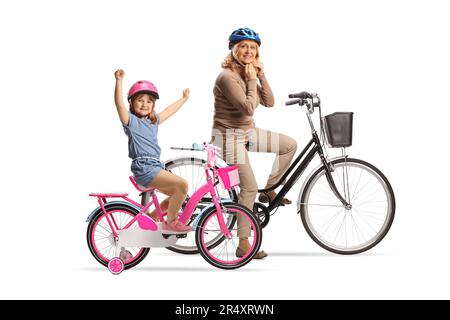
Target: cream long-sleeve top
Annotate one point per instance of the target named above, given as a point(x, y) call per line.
point(236, 99)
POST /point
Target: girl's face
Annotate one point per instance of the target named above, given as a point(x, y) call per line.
point(247, 51)
point(143, 105)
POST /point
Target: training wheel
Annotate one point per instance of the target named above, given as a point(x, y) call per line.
point(116, 265)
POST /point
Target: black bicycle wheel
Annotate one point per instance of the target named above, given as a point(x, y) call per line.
point(100, 238)
point(364, 223)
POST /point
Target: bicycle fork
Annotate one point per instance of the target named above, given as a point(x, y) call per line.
point(219, 211)
point(328, 169)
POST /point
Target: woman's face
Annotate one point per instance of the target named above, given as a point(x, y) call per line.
point(246, 51)
point(143, 105)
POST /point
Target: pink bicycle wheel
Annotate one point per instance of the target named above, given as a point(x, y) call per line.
point(101, 240)
point(221, 251)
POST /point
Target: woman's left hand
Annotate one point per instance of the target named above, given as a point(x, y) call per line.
point(186, 93)
point(259, 68)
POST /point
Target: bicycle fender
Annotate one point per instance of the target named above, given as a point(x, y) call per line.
point(208, 208)
point(299, 200)
point(108, 204)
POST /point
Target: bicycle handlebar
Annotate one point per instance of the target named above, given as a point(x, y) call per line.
point(301, 95)
point(310, 99)
point(210, 149)
point(185, 149)
point(296, 101)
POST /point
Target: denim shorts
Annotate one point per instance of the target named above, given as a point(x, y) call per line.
point(145, 169)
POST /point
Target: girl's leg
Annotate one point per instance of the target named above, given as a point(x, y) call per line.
point(164, 205)
point(171, 183)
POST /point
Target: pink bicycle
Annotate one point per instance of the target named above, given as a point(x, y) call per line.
point(120, 234)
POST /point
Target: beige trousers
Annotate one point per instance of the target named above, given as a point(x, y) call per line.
point(236, 143)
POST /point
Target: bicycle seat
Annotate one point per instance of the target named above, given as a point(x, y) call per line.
point(139, 187)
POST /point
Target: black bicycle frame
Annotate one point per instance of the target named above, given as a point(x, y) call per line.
point(308, 153)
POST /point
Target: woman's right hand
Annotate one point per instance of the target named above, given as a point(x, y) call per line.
point(119, 74)
point(250, 72)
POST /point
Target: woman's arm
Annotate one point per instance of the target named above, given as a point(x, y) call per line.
point(118, 97)
point(265, 92)
point(232, 90)
point(174, 107)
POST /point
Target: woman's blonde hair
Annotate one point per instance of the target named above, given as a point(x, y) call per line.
point(152, 115)
point(231, 61)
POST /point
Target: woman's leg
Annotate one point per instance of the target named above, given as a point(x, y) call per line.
point(234, 152)
point(171, 183)
point(282, 145)
point(233, 145)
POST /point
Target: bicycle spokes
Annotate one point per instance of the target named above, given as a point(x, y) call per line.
point(222, 251)
point(360, 225)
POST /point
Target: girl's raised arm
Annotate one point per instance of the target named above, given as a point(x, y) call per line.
point(118, 97)
point(174, 107)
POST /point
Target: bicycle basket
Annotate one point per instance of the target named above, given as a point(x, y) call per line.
point(229, 176)
point(338, 129)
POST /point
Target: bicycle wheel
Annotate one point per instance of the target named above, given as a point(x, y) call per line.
point(222, 253)
point(192, 169)
point(100, 237)
point(348, 230)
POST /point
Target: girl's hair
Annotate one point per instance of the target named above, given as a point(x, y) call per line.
point(231, 61)
point(152, 115)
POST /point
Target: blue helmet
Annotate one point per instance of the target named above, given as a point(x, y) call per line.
point(243, 34)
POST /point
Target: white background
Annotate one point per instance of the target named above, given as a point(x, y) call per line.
point(61, 138)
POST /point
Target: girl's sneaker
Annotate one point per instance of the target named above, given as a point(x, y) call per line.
point(175, 227)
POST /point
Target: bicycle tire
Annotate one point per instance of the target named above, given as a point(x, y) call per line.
point(195, 177)
point(221, 254)
point(104, 255)
point(378, 218)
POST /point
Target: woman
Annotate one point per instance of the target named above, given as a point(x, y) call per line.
point(237, 94)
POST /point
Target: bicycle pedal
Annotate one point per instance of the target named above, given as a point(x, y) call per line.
point(179, 236)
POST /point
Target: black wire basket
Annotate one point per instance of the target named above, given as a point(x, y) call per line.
point(338, 128)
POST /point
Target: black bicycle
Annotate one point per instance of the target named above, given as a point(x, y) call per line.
point(347, 205)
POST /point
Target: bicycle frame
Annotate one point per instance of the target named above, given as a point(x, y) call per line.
point(198, 195)
point(313, 148)
point(191, 205)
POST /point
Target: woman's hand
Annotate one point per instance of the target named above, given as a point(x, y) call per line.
point(186, 93)
point(250, 72)
point(119, 74)
point(259, 68)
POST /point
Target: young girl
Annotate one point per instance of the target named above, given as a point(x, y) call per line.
point(141, 126)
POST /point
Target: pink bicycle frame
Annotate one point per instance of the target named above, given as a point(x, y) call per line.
point(198, 195)
point(190, 206)
point(109, 217)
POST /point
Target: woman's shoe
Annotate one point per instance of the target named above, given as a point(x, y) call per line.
point(264, 198)
point(260, 255)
